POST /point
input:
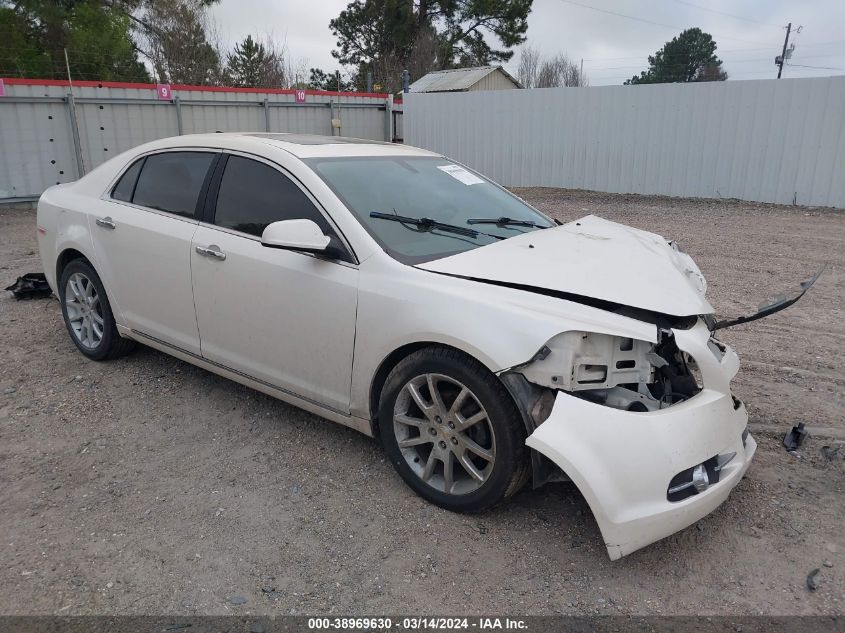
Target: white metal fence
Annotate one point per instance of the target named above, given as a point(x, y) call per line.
point(48, 137)
point(769, 140)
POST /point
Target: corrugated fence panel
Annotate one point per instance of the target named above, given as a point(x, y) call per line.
point(769, 140)
point(36, 138)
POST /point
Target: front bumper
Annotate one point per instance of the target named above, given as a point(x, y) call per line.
point(623, 461)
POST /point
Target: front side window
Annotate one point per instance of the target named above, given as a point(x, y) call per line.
point(425, 187)
point(172, 181)
point(253, 195)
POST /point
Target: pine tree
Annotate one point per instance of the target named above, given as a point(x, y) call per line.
point(689, 57)
point(246, 63)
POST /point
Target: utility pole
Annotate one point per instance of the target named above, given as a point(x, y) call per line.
point(781, 60)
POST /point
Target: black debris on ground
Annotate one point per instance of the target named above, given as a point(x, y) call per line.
point(30, 286)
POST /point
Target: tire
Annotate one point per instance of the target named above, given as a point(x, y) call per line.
point(474, 425)
point(87, 313)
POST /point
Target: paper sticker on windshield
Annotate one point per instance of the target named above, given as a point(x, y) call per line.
point(459, 173)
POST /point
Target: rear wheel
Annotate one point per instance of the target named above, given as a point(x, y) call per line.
point(452, 431)
point(87, 313)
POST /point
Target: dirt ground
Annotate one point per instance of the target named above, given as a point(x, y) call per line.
point(148, 486)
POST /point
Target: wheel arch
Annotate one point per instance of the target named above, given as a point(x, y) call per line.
point(396, 356)
point(65, 257)
point(524, 396)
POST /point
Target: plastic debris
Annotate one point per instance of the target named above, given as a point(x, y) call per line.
point(795, 437)
point(30, 286)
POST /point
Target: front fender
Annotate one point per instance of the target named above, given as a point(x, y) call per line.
point(500, 327)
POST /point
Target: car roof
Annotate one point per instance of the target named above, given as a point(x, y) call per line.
point(300, 145)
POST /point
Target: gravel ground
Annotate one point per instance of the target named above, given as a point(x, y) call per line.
point(148, 486)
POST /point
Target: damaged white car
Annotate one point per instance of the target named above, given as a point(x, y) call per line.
point(394, 291)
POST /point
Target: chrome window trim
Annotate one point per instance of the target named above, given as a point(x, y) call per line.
point(166, 214)
point(107, 197)
point(254, 238)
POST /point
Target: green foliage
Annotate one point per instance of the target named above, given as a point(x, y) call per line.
point(387, 36)
point(321, 80)
point(254, 65)
point(691, 56)
point(35, 33)
point(174, 37)
point(246, 62)
point(466, 23)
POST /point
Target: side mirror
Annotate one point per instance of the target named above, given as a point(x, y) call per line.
point(295, 235)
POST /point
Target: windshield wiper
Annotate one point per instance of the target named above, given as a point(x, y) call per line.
point(506, 222)
point(427, 224)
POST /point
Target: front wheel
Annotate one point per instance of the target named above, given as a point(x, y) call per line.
point(87, 313)
point(452, 431)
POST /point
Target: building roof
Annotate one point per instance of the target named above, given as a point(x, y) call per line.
point(457, 79)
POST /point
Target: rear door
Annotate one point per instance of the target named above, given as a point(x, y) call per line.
point(281, 317)
point(142, 241)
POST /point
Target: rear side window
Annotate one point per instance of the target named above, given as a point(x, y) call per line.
point(172, 181)
point(253, 195)
point(126, 185)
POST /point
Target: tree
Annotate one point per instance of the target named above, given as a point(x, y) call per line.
point(36, 33)
point(174, 36)
point(691, 56)
point(245, 63)
point(466, 22)
point(254, 65)
point(321, 80)
point(387, 36)
point(553, 72)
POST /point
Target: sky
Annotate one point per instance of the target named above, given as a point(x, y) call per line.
point(614, 37)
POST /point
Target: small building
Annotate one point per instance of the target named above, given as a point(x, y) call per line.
point(465, 80)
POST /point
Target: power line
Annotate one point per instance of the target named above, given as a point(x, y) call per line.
point(677, 65)
point(722, 51)
point(631, 17)
point(608, 59)
point(816, 67)
point(730, 15)
point(621, 15)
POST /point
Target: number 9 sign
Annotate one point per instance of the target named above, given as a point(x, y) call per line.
point(163, 92)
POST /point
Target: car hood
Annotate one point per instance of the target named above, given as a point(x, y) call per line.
point(593, 258)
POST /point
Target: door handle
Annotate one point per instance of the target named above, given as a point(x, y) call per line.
point(106, 223)
point(211, 251)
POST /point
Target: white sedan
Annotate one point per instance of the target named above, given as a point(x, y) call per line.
point(397, 292)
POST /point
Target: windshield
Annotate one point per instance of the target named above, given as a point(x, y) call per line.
point(424, 187)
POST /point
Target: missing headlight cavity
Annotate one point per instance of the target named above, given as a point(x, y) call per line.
point(618, 372)
point(579, 361)
point(677, 379)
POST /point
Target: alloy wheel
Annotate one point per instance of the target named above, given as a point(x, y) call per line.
point(84, 312)
point(444, 434)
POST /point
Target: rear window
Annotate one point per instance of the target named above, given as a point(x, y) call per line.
point(172, 181)
point(126, 185)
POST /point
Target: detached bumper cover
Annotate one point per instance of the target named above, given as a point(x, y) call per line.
point(622, 462)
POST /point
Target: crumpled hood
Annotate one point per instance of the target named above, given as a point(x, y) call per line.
point(590, 257)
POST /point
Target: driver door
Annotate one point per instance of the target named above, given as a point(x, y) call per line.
point(284, 318)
